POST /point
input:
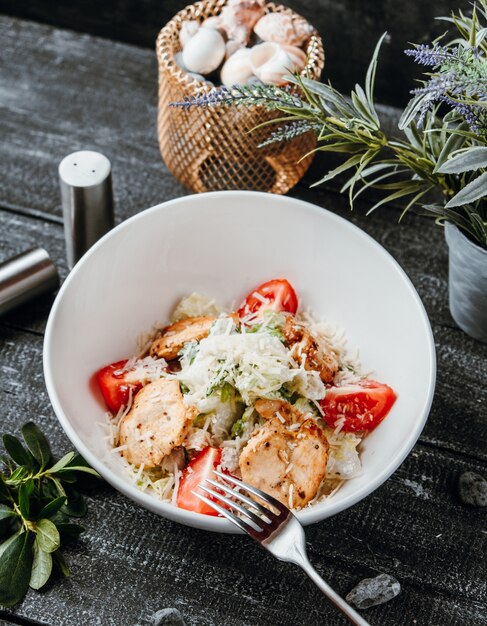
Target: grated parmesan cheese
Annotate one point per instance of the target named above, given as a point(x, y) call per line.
point(226, 373)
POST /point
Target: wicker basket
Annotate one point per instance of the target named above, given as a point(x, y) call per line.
point(211, 149)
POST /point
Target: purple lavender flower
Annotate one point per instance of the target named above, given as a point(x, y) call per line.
point(439, 85)
point(268, 95)
point(459, 80)
point(432, 56)
point(475, 116)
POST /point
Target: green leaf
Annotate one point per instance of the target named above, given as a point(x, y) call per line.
point(465, 223)
point(413, 136)
point(67, 458)
point(76, 504)
point(19, 474)
point(328, 95)
point(375, 182)
point(59, 518)
point(15, 568)
point(349, 163)
point(70, 530)
point(6, 512)
point(52, 507)
point(4, 545)
point(470, 193)
point(412, 109)
point(59, 486)
point(67, 476)
point(17, 451)
point(47, 535)
point(25, 492)
point(70, 463)
point(41, 567)
point(79, 461)
point(8, 463)
point(414, 200)
point(454, 142)
point(370, 77)
point(6, 527)
point(37, 443)
point(412, 187)
point(77, 468)
point(467, 161)
point(359, 100)
point(61, 563)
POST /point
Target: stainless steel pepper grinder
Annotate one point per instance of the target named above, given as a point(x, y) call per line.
point(87, 199)
point(26, 276)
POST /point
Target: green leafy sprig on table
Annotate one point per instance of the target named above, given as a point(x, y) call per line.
point(437, 159)
point(37, 501)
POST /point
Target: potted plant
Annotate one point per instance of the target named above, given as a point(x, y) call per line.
point(437, 161)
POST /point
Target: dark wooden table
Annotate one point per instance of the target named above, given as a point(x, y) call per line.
point(60, 92)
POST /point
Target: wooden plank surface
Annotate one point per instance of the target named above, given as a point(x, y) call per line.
point(130, 563)
point(349, 29)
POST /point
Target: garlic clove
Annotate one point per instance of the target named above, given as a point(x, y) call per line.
point(237, 70)
point(188, 30)
point(204, 51)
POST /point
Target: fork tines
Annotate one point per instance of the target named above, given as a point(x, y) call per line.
point(258, 526)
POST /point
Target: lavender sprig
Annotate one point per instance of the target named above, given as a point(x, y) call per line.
point(474, 115)
point(460, 80)
point(290, 131)
point(270, 96)
point(433, 56)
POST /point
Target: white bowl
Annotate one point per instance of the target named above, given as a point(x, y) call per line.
point(223, 244)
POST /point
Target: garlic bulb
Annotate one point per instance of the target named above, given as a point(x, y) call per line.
point(204, 51)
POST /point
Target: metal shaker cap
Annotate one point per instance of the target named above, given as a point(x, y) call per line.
point(87, 199)
point(26, 276)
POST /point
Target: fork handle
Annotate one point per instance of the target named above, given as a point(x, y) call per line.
point(337, 600)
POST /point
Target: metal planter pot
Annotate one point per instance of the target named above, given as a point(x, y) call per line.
point(467, 283)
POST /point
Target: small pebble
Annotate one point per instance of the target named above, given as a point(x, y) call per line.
point(472, 489)
point(373, 591)
point(168, 617)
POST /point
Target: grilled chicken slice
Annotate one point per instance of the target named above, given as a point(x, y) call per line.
point(156, 424)
point(286, 462)
point(173, 337)
point(270, 408)
point(309, 350)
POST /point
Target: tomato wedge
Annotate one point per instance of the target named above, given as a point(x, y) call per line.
point(274, 295)
point(200, 468)
point(363, 405)
point(114, 386)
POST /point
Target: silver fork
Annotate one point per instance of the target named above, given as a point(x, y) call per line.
point(280, 533)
